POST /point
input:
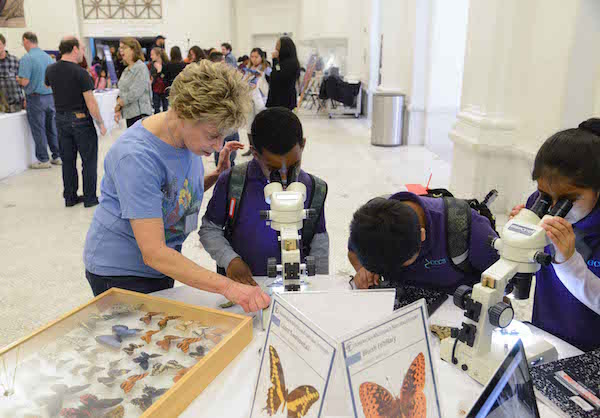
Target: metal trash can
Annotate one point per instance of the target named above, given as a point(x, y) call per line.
point(388, 119)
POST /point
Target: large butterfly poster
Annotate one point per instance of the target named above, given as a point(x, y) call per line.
point(297, 361)
point(389, 368)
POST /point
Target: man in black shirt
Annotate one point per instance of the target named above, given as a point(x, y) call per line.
point(75, 106)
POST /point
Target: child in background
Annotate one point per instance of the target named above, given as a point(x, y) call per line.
point(101, 81)
point(567, 293)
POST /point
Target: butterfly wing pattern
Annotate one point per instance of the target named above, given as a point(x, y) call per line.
point(377, 402)
point(298, 401)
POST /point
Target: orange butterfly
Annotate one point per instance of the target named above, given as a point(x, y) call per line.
point(180, 374)
point(165, 343)
point(298, 401)
point(130, 382)
point(148, 317)
point(163, 322)
point(148, 336)
point(377, 402)
point(185, 344)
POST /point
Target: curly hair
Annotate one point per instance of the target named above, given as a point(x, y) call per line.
point(211, 92)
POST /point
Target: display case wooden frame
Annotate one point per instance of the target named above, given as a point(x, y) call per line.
point(182, 393)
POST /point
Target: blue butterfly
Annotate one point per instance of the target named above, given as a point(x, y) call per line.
point(143, 359)
point(119, 332)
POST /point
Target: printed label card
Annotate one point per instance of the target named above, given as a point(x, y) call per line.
point(389, 369)
point(296, 365)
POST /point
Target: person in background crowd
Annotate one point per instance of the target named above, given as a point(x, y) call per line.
point(117, 61)
point(75, 107)
point(134, 101)
point(243, 62)
point(40, 104)
point(9, 68)
point(175, 66)
point(229, 57)
point(158, 73)
point(260, 88)
point(195, 54)
point(286, 68)
point(159, 42)
point(101, 81)
point(83, 64)
point(216, 56)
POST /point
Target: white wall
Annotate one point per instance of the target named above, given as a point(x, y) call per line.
point(49, 20)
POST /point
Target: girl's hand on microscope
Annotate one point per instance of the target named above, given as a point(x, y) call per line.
point(515, 211)
point(562, 236)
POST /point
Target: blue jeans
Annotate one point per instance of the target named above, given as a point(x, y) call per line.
point(77, 134)
point(41, 116)
point(159, 99)
point(234, 137)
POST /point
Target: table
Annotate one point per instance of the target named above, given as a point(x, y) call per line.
point(17, 149)
point(107, 100)
point(230, 394)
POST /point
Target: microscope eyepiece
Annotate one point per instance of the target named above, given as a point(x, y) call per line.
point(541, 205)
point(562, 207)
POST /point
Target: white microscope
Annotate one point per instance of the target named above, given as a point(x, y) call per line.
point(521, 250)
point(286, 216)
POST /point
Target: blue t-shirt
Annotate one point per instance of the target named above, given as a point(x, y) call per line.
point(33, 67)
point(144, 177)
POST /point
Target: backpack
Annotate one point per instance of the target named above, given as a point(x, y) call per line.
point(458, 224)
point(235, 190)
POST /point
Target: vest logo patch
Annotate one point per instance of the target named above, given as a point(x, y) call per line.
point(593, 263)
point(434, 263)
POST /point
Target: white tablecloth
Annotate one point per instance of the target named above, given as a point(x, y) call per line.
point(107, 100)
point(17, 149)
point(230, 394)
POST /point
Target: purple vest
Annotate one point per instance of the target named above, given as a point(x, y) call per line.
point(555, 309)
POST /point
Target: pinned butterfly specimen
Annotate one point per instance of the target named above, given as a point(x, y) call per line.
point(90, 408)
point(118, 412)
point(75, 370)
point(131, 348)
point(119, 333)
point(131, 381)
point(82, 348)
point(180, 374)
point(54, 402)
point(62, 363)
point(92, 371)
point(147, 398)
point(159, 368)
point(124, 309)
point(148, 336)
point(199, 353)
point(184, 325)
point(298, 401)
point(112, 376)
point(378, 402)
point(163, 322)
point(185, 344)
point(146, 319)
point(144, 358)
point(165, 343)
point(113, 364)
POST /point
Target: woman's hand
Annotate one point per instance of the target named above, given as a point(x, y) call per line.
point(250, 298)
point(224, 163)
point(117, 116)
point(120, 102)
point(562, 236)
point(515, 211)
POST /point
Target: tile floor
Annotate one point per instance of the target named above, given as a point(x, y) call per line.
point(41, 241)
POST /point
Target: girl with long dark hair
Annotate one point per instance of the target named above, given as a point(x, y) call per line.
point(286, 68)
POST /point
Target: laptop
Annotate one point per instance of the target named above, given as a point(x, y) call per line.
point(509, 393)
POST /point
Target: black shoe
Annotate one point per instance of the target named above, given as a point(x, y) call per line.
point(70, 203)
point(91, 204)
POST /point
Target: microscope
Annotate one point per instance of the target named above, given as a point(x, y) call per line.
point(486, 306)
point(286, 216)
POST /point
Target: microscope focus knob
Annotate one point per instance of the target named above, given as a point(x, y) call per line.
point(501, 314)
point(461, 294)
point(543, 258)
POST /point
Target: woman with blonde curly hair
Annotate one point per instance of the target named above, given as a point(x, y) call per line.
point(153, 186)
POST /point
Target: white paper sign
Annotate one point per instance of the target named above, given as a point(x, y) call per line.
point(389, 368)
point(296, 365)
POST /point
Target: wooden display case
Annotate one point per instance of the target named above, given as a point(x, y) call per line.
point(15, 360)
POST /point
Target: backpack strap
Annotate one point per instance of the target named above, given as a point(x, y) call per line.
point(458, 233)
point(317, 201)
point(235, 190)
